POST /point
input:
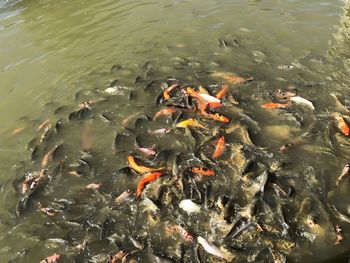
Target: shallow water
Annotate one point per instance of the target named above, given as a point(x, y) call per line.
point(56, 53)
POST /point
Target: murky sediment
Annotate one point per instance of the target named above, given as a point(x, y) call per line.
point(221, 136)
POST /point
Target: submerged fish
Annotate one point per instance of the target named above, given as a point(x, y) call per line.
point(213, 250)
point(275, 105)
point(231, 78)
point(51, 259)
point(345, 172)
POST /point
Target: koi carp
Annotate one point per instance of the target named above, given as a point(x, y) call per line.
point(202, 97)
point(222, 93)
point(219, 147)
point(164, 112)
point(231, 78)
point(51, 259)
point(140, 168)
point(202, 171)
point(341, 124)
point(150, 177)
point(218, 117)
point(166, 92)
point(190, 123)
point(275, 105)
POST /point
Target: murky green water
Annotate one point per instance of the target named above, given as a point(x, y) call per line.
point(57, 54)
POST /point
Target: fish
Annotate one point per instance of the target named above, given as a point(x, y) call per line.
point(284, 95)
point(189, 206)
point(212, 105)
point(48, 156)
point(231, 78)
point(220, 145)
point(118, 257)
point(190, 123)
point(170, 228)
point(345, 172)
point(166, 92)
point(140, 168)
point(93, 186)
point(213, 250)
point(122, 197)
point(202, 97)
point(341, 124)
point(218, 117)
point(275, 105)
point(164, 112)
point(47, 210)
point(150, 177)
point(222, 93)
point(301, 101)
point(17, 130)
point(339, 235)
point(342, 217)
point(202, 171)
point(43, 124)
point(161, 131)
point(51, 259)
point(145, 150)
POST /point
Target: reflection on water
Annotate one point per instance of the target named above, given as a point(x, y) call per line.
point(56, 54)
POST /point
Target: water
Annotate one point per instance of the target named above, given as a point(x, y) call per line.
point(50, 50)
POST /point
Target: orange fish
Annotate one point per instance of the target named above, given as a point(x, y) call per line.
point(43, 124)
point(48, 156)
point(164, 112)
point(150, 177)
point(222, 93)
point(17, 130)
point(51, 259)
point(202, 171)
point(219, 117)
point(140, 168)
point(214, 105)
point(166, 92)
point(274, 105)
point(343, 127)
point(231, 78)
point(219, 147)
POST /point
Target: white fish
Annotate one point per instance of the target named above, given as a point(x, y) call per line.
point(213, 250)
point(302, 101)
point(115, 90)
point(208, 98)
point(189, 206)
